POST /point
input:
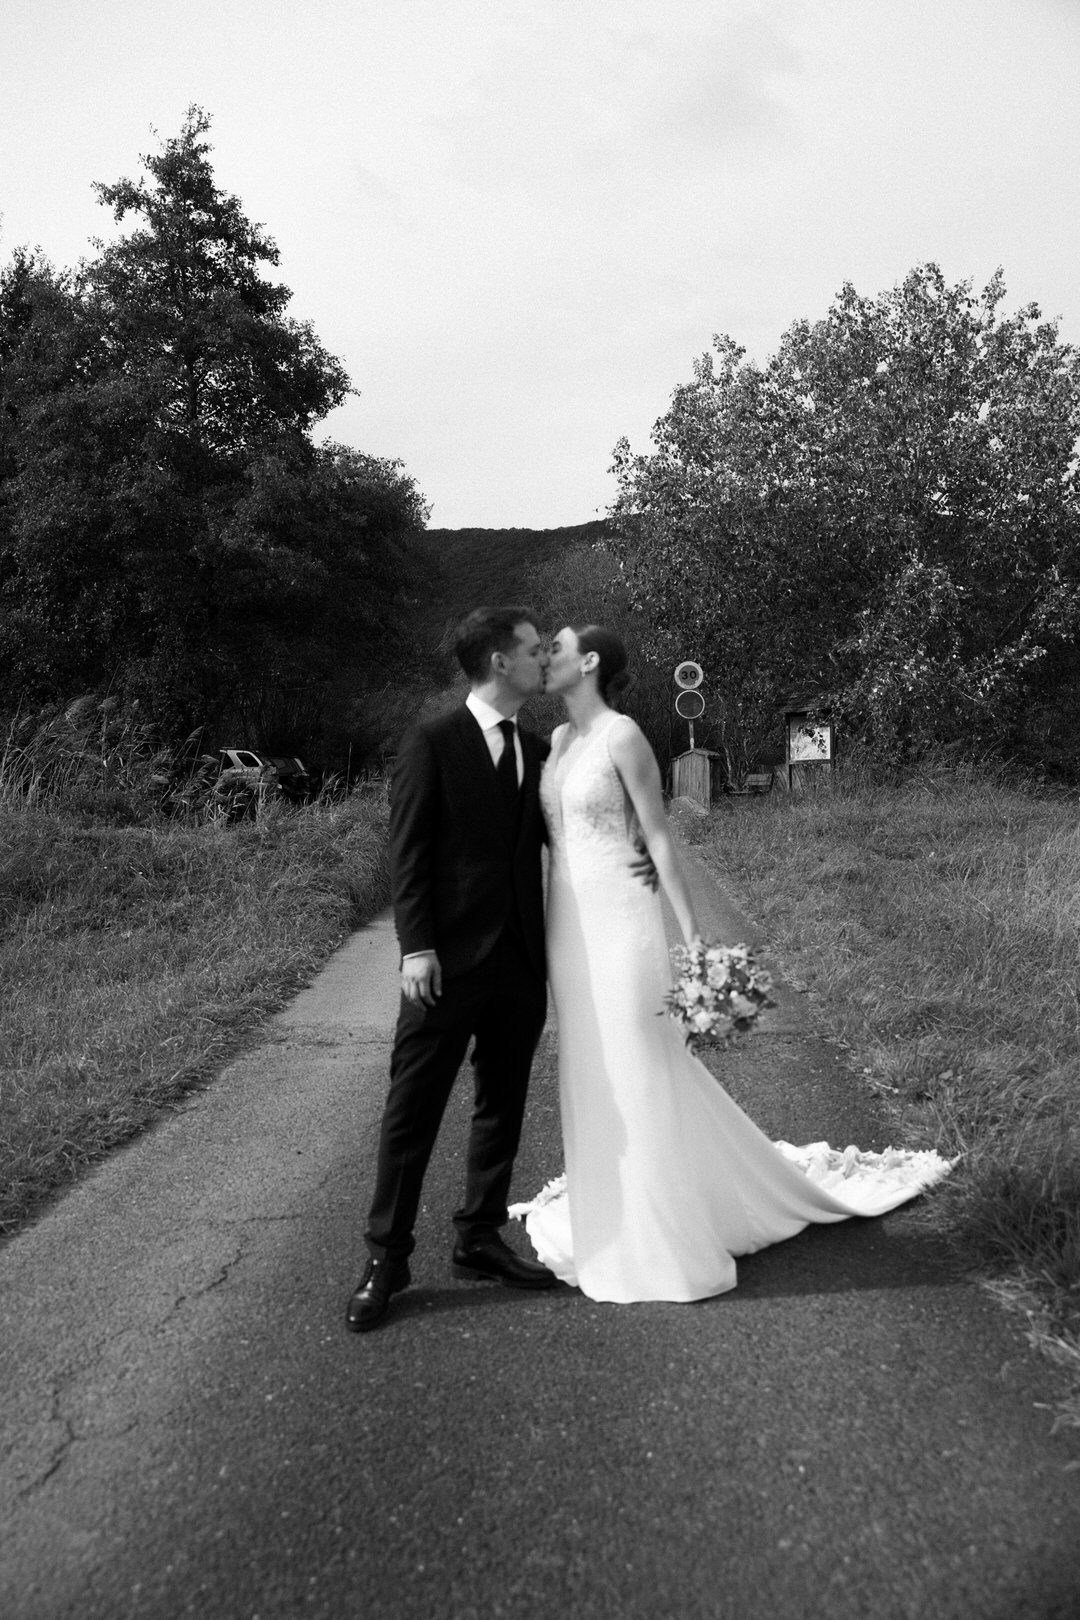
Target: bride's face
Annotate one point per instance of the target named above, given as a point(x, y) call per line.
point(564, 662)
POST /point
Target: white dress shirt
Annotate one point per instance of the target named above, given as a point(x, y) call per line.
point(489, 720)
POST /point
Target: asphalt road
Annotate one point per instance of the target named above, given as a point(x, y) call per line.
point(188, 1430)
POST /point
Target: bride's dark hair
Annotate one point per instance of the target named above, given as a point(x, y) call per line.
point(612, 676)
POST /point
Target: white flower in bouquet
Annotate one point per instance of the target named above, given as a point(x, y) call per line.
point(718, 992)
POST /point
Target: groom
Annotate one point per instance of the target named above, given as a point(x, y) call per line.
point(465, 839)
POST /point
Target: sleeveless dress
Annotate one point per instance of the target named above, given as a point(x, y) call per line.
point(667, 1180)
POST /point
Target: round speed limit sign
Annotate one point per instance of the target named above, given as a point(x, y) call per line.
point(690, 705)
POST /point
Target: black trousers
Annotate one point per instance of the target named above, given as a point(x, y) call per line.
point(502, 1003)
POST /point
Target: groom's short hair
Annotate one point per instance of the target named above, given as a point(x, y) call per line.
point(484, 631)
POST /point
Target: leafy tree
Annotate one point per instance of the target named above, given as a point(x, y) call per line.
point(183, 294)
point(329, 591)
point(167, 522)
point(887, 510)
point(62, 439)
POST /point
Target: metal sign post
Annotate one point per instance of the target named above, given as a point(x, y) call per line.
point(695, 775)
point(689, 705)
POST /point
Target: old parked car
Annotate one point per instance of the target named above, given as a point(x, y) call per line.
point(247, 779)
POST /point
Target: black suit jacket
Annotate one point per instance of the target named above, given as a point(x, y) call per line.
point(457, 864)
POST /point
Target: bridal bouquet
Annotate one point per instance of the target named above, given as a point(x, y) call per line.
point(719, 991)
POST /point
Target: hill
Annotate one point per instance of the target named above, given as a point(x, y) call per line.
point(467, 567)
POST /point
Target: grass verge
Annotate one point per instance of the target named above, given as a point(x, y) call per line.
point(135, 958)
point(936, 928)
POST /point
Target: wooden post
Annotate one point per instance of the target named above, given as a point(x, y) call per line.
point(698, 776)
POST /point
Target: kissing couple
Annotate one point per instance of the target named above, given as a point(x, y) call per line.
point(667, 1180)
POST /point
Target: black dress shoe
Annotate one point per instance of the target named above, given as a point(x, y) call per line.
point(489, 1256)
point(371, 1301)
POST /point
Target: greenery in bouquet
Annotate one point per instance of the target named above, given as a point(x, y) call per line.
point(718, 993)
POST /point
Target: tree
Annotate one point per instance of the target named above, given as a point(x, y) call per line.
point(886, 510)
point(62, 438)
point(184, 296)
point(328, 590)
point(169, 523)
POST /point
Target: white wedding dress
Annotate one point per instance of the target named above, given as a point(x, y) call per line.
point(667, 1180)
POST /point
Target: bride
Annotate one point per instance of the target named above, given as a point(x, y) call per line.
point(667, 1180)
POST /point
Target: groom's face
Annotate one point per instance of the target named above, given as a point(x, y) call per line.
point(524, 665)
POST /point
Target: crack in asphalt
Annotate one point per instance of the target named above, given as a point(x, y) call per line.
point(61, 1447)
point(54, 1465)
point(96, 1364)
point(207, 1288)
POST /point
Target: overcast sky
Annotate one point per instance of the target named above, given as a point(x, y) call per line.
point(517, 222)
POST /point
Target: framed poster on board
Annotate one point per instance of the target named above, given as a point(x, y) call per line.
point(809, 742)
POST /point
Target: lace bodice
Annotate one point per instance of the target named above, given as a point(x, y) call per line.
point(583, 799)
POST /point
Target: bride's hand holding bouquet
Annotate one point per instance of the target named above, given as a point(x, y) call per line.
point(718, 992)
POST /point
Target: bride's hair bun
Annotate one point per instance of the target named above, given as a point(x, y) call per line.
point(617, 686)
point(612, 675)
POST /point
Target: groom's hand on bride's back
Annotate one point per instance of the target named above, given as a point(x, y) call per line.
point(421, 978)
point(641, 864)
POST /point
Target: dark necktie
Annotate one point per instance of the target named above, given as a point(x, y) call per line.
point(506, 769)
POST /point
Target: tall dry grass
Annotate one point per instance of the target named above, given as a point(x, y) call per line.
point(134, 958)
point(937, 924)
point(936, 927)
point(95, 756)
